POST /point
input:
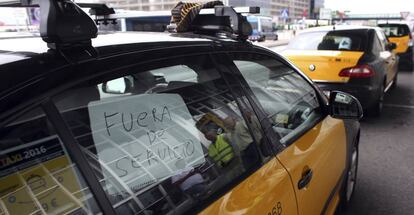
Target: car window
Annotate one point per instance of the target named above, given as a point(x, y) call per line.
point(395, 30)
point(383, 39)
point(164, 145)
point(266, 25)
point(288, 100)
point(36, 174)
point(377, 46)
point(253, 22)
point(331, 40)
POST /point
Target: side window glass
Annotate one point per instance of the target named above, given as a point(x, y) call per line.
point(288, 100)
point(169, 141)
point(383, 40)
point(377, 46)
point(36, 174)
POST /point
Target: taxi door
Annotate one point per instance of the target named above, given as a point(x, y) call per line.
point(389, 58)
point(316, 163)
point(268, 189)
point(314, 150)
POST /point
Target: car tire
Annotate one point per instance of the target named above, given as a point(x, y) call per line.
point(262, 39)
point(410, 67)
point(408, 64)
point(348, 188)
point(395, 81)
point(377, 108)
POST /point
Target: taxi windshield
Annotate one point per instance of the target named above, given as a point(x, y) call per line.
point(331, 40)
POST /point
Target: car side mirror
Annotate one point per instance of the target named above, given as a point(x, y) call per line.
point(391, 46)
point(344, 106)
point(118, 86)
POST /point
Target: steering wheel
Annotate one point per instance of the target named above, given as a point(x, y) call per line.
point(298, 114)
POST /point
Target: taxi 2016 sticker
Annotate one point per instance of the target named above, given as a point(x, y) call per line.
point(37, 177)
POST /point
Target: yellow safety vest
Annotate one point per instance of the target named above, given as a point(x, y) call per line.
point(221, 151)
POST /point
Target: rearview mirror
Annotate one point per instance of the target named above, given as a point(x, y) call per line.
point(118, 86)
point(391, 46)
point(344, 106)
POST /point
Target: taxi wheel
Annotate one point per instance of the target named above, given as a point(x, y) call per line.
point(377, 108)
point(394, 84)
point(410, 67)
point(350, 179)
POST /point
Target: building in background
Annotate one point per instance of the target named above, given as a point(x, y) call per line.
point(296, 9)
point(314, 8)
point(145, 5)
point(265, 5)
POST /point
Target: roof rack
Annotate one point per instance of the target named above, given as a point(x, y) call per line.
point(217, 20)
point(63, 23)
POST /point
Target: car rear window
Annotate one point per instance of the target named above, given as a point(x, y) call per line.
point(395, 30)
point(329, 40)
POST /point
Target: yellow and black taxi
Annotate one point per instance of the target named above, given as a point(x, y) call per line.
point(354, 59)
point(195, 121)
point(400, 34)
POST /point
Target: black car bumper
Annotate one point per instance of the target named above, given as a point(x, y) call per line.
point(366, 94)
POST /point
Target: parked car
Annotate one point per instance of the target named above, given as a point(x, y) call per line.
point(354, 59)
point(262, 28)
point(400, 34)
point(167, 123)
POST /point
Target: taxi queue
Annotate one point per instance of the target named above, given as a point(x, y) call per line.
point(116, 124)
point(363, 61)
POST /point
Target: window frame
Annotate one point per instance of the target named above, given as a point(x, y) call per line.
point(377, 45)
point(270, 133)
point(226, 75)
point(67, 140)
point(78, 156)
point(229, 68)
point(382, 38)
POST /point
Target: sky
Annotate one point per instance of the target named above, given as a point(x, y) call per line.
point(371, 6)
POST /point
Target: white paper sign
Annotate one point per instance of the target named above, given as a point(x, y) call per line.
point(141, 138)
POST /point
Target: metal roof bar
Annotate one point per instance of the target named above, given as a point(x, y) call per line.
point(205, 11)
point(252, 10)
point(96, 8)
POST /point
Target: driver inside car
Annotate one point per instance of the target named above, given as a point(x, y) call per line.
point(239, 137)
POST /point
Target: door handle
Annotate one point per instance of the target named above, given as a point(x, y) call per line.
point(306, 178)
